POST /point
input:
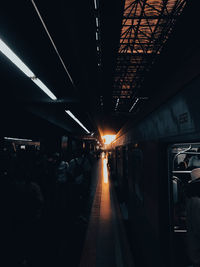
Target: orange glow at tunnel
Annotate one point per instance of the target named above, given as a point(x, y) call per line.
point(108, 139)
point(105, 171)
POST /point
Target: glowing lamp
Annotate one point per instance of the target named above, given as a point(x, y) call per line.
point(108, 139)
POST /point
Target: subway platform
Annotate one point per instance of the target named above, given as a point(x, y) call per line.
point(106, 243)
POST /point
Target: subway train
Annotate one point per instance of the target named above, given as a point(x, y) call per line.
point(147, 165)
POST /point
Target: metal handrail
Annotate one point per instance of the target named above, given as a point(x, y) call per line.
point(181, 171)
point(181, 152)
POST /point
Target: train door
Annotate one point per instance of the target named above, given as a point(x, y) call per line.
point(125, 162)
point(125, 187)
point(183, 158)
point(144, 162)
point(117, 158)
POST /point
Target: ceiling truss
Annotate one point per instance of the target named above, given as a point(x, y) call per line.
point(146, 27)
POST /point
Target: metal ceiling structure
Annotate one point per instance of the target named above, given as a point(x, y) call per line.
point(90, 57)
point(146, 26)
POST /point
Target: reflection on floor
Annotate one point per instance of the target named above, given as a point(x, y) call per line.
point(104, 244)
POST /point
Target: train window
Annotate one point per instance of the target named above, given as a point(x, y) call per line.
point(183, 158)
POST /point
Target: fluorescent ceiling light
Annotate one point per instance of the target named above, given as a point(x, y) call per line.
point(97, 48)
point(97, 22)
point(15, 59)
point(97, 36)
point(17, 139)
point(117, 103)
point(137, 99)
point(18, 62)
point(43, 87)
point(95, 4)
point(74, 118)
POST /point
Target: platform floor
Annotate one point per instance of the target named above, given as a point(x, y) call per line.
point(106, 244)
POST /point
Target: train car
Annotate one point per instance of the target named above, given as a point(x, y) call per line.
point(149, 166)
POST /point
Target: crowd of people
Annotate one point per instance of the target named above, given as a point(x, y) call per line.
point(44, 205)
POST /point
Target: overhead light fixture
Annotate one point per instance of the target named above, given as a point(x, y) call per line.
point(97, 48)
point(97, 37)
point(95, 4)
point(20, 64)
point(117, 103)
point(137, 99)
point(17, 139)
point(97, 22)
point(15, 59)
point(43, 87)
point(135, 102)
point(74, 118)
